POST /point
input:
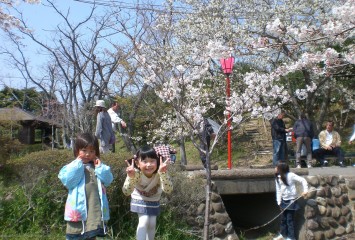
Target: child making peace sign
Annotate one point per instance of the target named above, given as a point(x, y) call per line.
point(146, 179)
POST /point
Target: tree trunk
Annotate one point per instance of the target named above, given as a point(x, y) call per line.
point(52, 143)
point(127, 140)
point(182, 151)
point(208, 196)
point(323, 110)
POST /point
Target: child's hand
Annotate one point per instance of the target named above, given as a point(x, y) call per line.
point(97, 162)
point(130, 169)
point(163, 167)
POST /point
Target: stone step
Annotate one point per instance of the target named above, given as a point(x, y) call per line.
point(263, 152)
point(262, 143)
point(253, 133)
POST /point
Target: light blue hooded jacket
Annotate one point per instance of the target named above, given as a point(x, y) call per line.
point(73, 177)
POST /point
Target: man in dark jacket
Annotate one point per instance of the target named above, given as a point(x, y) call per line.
point(207, 133)
point(278, 133)
point(303, 130)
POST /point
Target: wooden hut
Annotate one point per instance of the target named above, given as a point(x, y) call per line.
point(29, 123)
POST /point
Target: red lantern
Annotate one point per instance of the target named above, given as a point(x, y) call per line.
point(227, 65)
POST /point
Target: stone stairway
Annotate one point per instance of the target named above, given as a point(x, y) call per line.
point(259, 134)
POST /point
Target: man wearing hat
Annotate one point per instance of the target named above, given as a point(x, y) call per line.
point(104, 131)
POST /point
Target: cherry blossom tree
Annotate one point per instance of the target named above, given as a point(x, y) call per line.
point(320, 47)
point(8, 21)
point(276, 38)
point(298, 52)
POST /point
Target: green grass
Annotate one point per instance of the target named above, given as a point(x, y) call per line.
point(31, 236)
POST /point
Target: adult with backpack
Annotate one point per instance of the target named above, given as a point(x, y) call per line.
point(303, 131)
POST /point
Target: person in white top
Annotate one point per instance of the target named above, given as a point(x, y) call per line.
point(286, 196)
point(115, 119)
point(352, 138)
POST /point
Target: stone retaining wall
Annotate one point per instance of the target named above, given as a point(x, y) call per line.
point(220, 227)
point(329, 208)
point(328, 211)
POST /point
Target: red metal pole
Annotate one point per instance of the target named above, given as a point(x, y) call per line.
point(229, 133)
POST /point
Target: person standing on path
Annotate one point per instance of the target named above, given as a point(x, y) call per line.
point(286, 197)
point(303, 129)
point(104, 131)
point(206, 135)
point(115, 119)
point(278, 133)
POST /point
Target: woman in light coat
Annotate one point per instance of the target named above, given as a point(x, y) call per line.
point(104, 131)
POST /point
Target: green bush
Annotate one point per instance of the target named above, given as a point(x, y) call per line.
point(29, 148)
point(9, 146)
point(33, 198)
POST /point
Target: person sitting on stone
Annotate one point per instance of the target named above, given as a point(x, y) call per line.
point(330, 142)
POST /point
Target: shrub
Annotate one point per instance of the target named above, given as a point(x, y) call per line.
point(8, 147)
point(36, 194)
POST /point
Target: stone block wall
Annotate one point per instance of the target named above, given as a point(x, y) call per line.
point(327, 212)
point(329, 208)
point(220, 225)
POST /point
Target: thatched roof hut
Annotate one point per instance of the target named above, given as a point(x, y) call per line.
point(29, 123)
